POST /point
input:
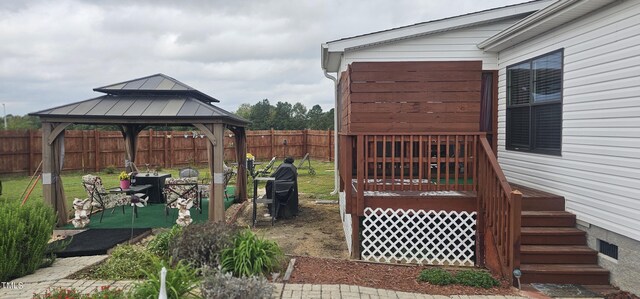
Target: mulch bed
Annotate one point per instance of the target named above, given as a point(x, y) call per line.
point(376, 275)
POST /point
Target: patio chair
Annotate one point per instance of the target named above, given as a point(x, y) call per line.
point(188, 172)
point(100, 198)
point(176, 188)
point(229, 173)
point(267, 169)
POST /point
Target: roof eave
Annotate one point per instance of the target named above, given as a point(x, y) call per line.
point(332, 51)
point(539, 22)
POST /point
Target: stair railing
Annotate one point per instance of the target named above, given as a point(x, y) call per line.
point(499, 214)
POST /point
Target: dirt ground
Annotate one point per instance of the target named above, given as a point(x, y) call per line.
point(316, 231)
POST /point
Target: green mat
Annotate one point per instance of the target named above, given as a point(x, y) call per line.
point(151, 216)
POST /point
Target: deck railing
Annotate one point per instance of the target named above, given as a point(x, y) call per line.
point(499, 210)
point(417, 162)
point(408, 162)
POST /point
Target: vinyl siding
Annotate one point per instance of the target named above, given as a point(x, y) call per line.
point(454, 45)
point(599, 169)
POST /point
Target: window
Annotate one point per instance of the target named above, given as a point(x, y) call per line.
point(534, 104)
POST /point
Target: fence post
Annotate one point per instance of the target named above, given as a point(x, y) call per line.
point(305, 140)
point(165, 142)
point(273, 142)
point(84, 157)
point(171, 150)
point(96, 145)
point(30, 151)
point(330, 145)
point(149, 160)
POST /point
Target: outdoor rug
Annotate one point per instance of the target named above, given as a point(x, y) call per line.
point(97, 241)
point(151, 216)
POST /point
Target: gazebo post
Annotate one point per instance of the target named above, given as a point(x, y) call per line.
point(241, 154)
point(52, 160)
point(215, 151)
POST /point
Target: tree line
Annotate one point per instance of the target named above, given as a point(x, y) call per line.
point(284, 116)
point(263, 116)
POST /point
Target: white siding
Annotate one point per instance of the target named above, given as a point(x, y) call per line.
point(599, 170)
point(454, 45)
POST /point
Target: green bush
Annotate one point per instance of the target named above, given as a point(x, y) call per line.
point(476, 278)
point(160, 244)
point(25, 231)
point(223, 285)
point(180, 282)
point(201, 244)
point(251, 255)
point(126, 262)
point(436, 276)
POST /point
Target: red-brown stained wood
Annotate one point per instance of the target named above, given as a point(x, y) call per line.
point(416, 66)
point(421, 96)
point(437, 203)
point(412, 76)
point(415, 86)
point(418, 107)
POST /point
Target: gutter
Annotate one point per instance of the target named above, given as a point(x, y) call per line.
point(336, 182)
point(524, 24)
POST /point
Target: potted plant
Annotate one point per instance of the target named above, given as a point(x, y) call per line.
point(125, 183)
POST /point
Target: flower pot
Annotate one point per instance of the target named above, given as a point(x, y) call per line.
point(125, 184)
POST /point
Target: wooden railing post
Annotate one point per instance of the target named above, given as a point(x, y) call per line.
point(514, 228)
point(360, 171)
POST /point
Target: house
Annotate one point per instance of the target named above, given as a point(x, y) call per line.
point(553, 86)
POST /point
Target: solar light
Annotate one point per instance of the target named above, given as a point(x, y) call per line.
point(517, 274)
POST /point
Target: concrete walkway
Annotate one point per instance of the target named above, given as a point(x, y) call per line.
point(331, 291)
point(54, 277)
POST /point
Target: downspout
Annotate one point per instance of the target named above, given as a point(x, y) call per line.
point(336, 182)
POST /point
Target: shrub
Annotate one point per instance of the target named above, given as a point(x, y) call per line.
point(103, 293)
point(126, 262)
point(181, 280)
point(476, 278)
point(436, 276)
point(223, 285)
point(202, 244)
point(25, 231)
point(160, 244)
point(251, 255)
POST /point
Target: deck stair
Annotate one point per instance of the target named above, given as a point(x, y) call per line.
point(552, 249)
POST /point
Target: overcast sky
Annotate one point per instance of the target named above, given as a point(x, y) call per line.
point(55, 52)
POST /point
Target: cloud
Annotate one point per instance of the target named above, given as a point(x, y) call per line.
point(55, 52)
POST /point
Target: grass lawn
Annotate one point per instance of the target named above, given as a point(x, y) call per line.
point(320, 185)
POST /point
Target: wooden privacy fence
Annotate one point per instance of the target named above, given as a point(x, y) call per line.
point(21, 151)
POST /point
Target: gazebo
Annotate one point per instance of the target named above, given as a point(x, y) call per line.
point(132, 106)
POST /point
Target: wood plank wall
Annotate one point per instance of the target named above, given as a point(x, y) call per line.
point(411, 97)
point(21, 150)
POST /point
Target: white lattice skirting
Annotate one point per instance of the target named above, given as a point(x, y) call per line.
point(346, 220)
point(423, 237)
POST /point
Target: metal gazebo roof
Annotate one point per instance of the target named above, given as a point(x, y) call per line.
point(153, 99)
